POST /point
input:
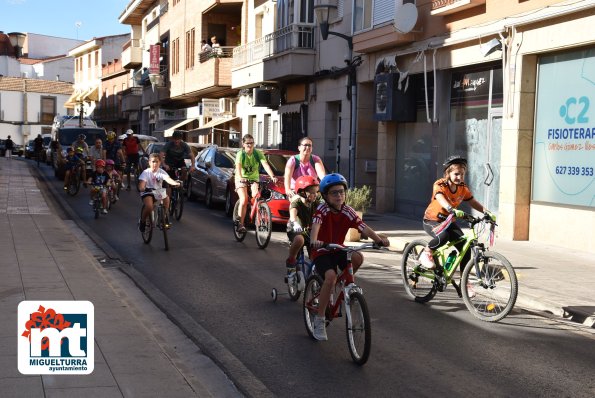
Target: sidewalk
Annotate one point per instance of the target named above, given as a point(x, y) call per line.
point(551, 279)
point(138, 351)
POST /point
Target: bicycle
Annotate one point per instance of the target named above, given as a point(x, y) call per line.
point(489, 285)
point(134, 169)
point(157, 218)
point(97, 199)
point(74, 181)
point(258, 213)
point(176, 205)
point(345, 294)
point(297, 284)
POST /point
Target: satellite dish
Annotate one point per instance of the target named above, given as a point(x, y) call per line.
point(405, 17)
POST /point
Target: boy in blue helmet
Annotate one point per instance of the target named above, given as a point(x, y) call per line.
point(330, 224)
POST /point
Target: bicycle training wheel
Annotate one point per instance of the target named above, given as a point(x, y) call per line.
point(263, 225)
point(492, 294)
point(148, 232)
point(163, 225)
point(236, 220)
point(359, 332)
point(179, 204)
point(310, 305)
point(418, 282)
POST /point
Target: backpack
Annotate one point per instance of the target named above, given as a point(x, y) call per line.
point(297, 160)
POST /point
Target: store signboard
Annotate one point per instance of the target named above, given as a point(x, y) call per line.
point(564, 145)
point(154, 58)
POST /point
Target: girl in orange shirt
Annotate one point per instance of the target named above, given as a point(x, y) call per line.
point(447, 194)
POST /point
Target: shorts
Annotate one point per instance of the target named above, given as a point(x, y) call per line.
point(246, 184)
point(68, 167)
point(130, 160)
point(291, 234)
point(330, 261)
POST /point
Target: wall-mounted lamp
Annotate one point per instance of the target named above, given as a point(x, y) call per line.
point(491, 46)
point(17, 39)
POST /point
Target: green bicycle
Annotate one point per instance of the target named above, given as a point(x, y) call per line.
point(489, 283)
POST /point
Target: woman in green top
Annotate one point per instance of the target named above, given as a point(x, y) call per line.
point(248, 161)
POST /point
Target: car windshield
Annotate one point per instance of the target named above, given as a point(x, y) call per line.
point(69, 135)
point(225, 159)
point(47, 140)
point(277, 163)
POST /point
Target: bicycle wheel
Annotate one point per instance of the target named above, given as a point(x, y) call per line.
point(492, 294)
point(96, 207)
point(310, 306)
point(236, 220)
point(418, 283)
point(74, 183)
point(162, 224)
point(292, 286)
point(179, 204)
point(148, 232)
point(263, 225)
point(359, 332)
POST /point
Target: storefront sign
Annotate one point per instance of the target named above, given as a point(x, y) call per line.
point(474, 87)
point(211, 108)
point(154, 58)
point(564, 146)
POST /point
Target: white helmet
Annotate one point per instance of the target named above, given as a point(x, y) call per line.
point(129, 132)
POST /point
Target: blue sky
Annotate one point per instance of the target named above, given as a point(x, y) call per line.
point(59, 18)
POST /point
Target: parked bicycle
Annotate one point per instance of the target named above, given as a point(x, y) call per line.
point(346, 296)
point(157, 218)
point(258, 214)
point(176, 204)
point(489, 283)
point(297, 283)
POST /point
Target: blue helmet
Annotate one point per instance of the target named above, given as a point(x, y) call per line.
point(332, 179)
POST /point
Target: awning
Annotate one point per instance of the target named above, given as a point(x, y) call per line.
point(71, 101)
point(290, 108)
point(167, 132)
point(91, 95)
point(207, 127)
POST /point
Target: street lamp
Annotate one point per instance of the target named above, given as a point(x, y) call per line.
point(17, 39)
point(322, 12)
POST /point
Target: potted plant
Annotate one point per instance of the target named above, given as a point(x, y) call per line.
point(360, 199)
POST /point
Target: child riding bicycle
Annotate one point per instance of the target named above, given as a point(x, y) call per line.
point(72, 161)
point(247, 174)
point(330, 224)
point(99, 180)
point(447, 194)
point(301, 210)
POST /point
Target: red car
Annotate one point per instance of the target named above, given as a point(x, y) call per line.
point(279, 204)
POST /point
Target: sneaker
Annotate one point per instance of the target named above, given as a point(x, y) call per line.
point(127, 187)
point(470, 291)
point(241, 229)
point(65, 188)
point(104, 211)
point(116, 198)
point(426, 260)
point(90, 203)
point(319, 327)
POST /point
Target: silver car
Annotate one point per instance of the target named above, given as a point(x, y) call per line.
point(213, 168)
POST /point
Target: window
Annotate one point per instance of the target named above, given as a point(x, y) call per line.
point(48, 110)
point(190, 40)
point(175, 56)
point(362, 15)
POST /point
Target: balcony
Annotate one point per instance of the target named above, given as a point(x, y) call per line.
point(132, 54)
point(109, 113)
point(211, 76)
point(284, 54)
point(131, 99)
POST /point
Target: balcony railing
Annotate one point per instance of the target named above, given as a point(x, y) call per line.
point(292, 37)
point(217, 52)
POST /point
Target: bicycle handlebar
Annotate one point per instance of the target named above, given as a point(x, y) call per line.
point(363, 246)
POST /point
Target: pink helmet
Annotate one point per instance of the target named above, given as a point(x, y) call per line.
point(110, 162)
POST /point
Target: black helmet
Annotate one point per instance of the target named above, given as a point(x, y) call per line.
point(454, 159)
point(82, 137)
point(176, 134)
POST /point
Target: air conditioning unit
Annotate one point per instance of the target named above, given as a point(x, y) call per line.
point(390, 103)
point(227, 105)
point(268, 97)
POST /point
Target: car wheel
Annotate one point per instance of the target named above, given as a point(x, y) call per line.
point(228, 205)
point(209, 196)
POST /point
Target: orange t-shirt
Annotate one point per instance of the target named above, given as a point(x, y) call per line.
point(435, 211)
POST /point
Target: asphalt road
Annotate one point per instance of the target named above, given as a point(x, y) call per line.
point(417, 350)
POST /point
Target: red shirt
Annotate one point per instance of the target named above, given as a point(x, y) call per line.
point(131, 145)
point(334, 226)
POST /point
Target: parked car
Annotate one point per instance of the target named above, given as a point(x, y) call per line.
point(16, 149)
point(279, 203)
point(213, 168)
point(30, 150)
